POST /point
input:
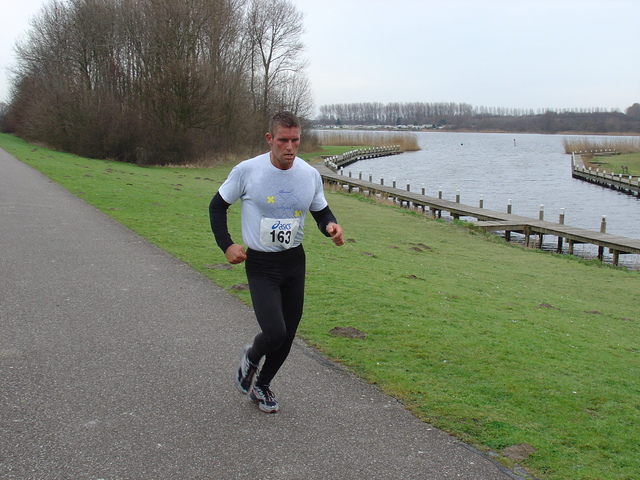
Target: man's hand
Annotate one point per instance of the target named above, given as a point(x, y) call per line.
point(235, 254)
point(336, 233)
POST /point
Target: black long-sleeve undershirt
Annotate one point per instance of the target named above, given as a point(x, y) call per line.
point(218, 218)
point(323, 218)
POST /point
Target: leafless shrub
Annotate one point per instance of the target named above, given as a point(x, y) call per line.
point(4, 110)
point(406, 140)
point(620, 145)
point(157, 82)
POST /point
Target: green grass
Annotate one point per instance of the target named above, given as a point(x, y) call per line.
point(493, 343)
point(614, 163)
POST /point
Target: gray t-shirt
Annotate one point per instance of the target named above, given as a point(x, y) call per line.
point(274, 202)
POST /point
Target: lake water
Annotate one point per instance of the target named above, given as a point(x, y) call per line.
point(530, 170)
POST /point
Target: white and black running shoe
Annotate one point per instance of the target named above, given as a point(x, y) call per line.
point(246, 372)
point(265, 398)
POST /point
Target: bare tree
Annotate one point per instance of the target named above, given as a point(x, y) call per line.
point(274, 30)
point(39, 76)
point(157, 81)
point(295, 96)
point(4, 111)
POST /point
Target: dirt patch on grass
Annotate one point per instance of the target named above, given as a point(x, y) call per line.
point(348, 332)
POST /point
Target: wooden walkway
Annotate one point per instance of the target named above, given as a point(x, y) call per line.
point(489, 220)
point(620, 182)
point(336, 162)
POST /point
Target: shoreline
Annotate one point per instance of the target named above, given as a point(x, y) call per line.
point(406, 129)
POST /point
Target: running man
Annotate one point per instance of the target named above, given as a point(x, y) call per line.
point(276, 190)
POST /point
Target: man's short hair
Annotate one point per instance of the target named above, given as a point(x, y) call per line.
point(283, 119)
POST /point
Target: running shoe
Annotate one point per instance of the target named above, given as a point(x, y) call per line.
point(265, 398)
point(246, 372)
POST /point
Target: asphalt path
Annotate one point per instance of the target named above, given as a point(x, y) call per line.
point(116, 362)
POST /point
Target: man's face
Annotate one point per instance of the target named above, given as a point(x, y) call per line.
point(284, 145)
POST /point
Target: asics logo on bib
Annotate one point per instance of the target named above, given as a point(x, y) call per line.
point(281, 226)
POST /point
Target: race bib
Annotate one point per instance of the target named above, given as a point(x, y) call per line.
point(278, 232)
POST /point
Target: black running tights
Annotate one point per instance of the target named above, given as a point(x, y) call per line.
point(276, 284)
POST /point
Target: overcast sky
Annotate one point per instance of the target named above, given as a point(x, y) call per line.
point(495, 53)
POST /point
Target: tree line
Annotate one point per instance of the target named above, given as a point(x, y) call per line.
point(467, 117)
point(157, 81)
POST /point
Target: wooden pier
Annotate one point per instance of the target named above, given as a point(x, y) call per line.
point(336, 162)
point(615, 181)
point(487, 220)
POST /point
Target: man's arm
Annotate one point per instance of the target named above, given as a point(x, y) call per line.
point(233, 252)
point(328, 225)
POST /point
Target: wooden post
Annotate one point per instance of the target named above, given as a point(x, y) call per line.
point(507, 233)
point(603, 229)
point(541, 218)
point(456, 216)
point(561, 222)
point(481, 202)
